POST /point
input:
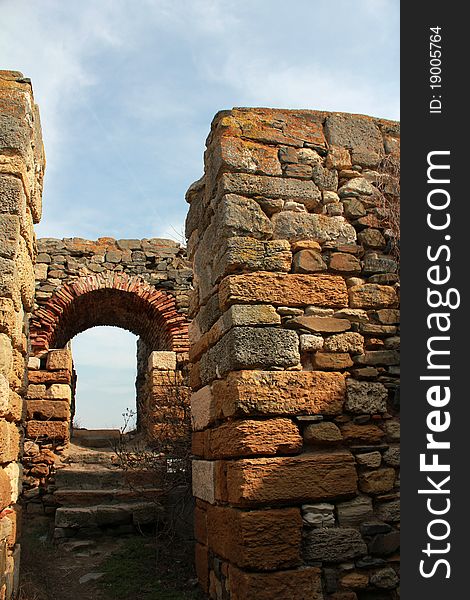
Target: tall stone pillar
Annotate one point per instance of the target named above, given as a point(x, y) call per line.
point(294, 357)
point(21, 172)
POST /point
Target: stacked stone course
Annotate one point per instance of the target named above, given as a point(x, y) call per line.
point(295, 354)
point(21, 173)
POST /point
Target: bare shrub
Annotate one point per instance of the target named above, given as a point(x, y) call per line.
point(388, 184)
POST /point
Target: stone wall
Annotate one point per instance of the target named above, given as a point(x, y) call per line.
point(294, 350)
point(21, 172)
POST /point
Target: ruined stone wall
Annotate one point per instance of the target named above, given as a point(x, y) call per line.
point(21, 172)
point(294, 350)
point(154, 270)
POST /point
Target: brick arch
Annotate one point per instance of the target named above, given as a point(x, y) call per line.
point(109, 299)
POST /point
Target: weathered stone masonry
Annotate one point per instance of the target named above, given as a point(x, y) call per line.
point(21, 173)
point(294, 345)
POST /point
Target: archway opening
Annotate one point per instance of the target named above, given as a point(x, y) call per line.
point(105, 364)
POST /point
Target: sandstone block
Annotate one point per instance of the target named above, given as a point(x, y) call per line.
point(250, 437)
point(309, 477)
point(47, 409)
point(237, 154)
point(58, 360)
point(388, 316)
point(303, 191)
point(9, 442)
point(355, 512)
point(388, 511)
point(306, 226)
point(308, 261)
point(4, 394)
point(372, 295)
point(162, 361)
point(366, 397)
point(385, 579)
point(202, 408)
point(259, 539)
point(345, 342)
point(237, 216)
point(372, 460)
point(338, 158)
point(204, 474)
point(5, 490)
point(270, 393)
point(284, 290)
point(344, 263)
point(332, 361)
point(248, 347)
point(54, 430)
point(364, 434)
point(47, 377)
point(241, 254)
point(379, 357)
point(324, 434)
point(6, 355)
point(377, 482)
point(301, 584)
point(358, 186)
point(321, 324)
point(239, 315)
point(372, 238)
point(353, 132)
point(58, 391)
point(311, 343)
point(333, 545)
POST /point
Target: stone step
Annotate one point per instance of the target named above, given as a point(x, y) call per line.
point(88, 478)
point(91, 456)
point(135, 514)
point(96, 438)
point(82, 497)
point(100, 477)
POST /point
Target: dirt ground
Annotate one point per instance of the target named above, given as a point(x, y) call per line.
point(101, 569)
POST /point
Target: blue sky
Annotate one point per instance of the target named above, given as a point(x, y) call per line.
point(127, 90)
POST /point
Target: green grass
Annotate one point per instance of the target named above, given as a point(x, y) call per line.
point(131, 572)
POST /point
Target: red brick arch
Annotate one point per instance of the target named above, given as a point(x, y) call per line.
point(109, 299)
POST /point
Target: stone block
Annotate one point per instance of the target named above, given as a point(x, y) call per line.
point(241, 254)
point(349, 341)
point(332, 361)
point(353, 132)
point(320, 324)
point(311, 343)
point(302, 584)
point(258, 539)
point(250, 438)
point(5, 490)
point(9, 442)
point(377, 482)
point(204, 473)
point(47, 409)
point(304, 478)
point(379, 357)
point(354, 512)
point(6, 355)
point(354, 433)
point(48, 377)
point(237, 154)
point(201, 560)
point(52, 430)
point(4, 394)
point(319, 515)
point(295, 226)
point(344, 263)
point(284, 290)
point(271, 393)
point(388, 511)
point(323, 434)
point(162, 361)
point(58, 391)
point(58, 360)
point(297, 190)
point(237, 216)
point(371, 460)
point(249, 347)
point(364, 397)
point(372, 295)
point(308, 261)
point(202, 408)
point(240, 315)
point(333, 545)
